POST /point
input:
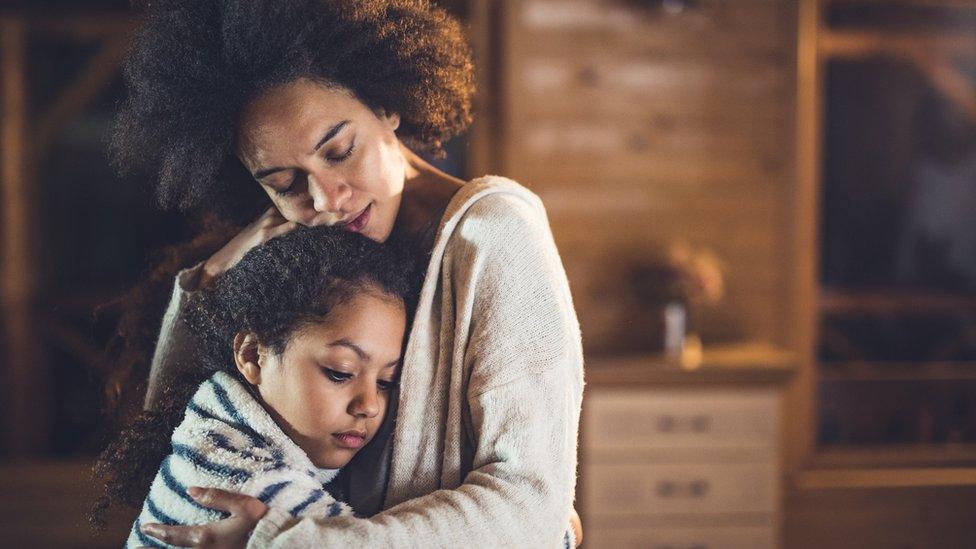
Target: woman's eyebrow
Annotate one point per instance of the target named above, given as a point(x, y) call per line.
point(261, 174)
point(329, 135)
point(265, 172)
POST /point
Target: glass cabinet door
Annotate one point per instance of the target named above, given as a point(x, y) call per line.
point(897, 302)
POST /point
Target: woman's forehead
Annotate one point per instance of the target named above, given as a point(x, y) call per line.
point(298, 101)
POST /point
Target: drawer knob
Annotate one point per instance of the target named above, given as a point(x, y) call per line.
point(671, 7)
point(666, 424)
point(589, 76)
point(701, 424)
point(665, 488)
point(698, 488)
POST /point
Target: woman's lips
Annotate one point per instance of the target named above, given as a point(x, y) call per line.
point(357, 224)
point(350, 439)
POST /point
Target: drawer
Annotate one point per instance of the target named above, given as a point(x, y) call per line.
point(728, 537)
point(659, 488)
point(655, 419)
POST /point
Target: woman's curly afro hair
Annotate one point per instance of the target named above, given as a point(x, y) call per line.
point(195, 63)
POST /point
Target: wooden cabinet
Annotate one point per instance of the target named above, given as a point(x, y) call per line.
point(683, 458)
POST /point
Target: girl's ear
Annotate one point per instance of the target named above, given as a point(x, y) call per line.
point(247, 356)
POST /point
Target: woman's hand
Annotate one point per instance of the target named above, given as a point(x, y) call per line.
point(231, 532)
point(264, 228)
point(574, 522)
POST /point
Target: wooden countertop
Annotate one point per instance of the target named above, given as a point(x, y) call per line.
point(739, 363)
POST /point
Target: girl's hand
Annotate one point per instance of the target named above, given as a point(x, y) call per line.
point(264, 228)
point(231, 532)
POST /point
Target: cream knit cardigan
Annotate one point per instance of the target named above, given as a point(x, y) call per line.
point(484, 448)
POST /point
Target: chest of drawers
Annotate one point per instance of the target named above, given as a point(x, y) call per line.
point(672, 463)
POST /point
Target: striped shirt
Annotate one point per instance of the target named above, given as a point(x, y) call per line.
point(227, 440)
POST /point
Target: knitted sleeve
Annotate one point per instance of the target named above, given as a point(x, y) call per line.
point(175, 342)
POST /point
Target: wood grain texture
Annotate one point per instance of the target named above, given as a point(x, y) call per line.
point(638, 128)
point(26, 407)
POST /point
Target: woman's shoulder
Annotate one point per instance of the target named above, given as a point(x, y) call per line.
point(493, 190)
point(492, 207)
point(493, 223)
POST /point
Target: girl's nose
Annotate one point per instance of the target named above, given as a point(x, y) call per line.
point(328, 194)
point(366, 403)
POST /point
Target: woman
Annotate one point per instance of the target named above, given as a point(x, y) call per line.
point(318, 102)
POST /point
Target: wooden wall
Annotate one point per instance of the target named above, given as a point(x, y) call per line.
point(638, 127)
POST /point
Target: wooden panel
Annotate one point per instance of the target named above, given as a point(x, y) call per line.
point(733, 28)
point(881, 518)
point(45, 505)
point(26, 408)
point(583, 82)
point(636, 130)
point(586, 141)
point(634, 536)
point(667, 488)
point(634, 419)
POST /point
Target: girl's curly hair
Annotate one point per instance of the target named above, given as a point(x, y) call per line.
point(273, 291)
point(195, 63)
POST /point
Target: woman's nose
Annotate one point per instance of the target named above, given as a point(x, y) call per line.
point(366, 402)
point(328, 194)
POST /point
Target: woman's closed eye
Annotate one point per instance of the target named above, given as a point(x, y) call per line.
point(290, 187)
point(335, 159)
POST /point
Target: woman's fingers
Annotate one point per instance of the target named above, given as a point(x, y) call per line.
point(269, 225)
point(236, 504)
point(245, 511)
point(231, 532)
point(180, 536)
point(282, 229)
point(577, 525)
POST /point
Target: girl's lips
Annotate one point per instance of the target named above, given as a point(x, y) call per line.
point(350, 440)
point(357, 224)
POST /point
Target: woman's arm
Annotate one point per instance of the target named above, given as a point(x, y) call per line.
point(175, 345)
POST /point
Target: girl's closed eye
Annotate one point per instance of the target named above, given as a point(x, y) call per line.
point(386, 384)
point(336, 376)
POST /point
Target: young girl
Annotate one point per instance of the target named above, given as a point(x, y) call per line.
point(301, 343)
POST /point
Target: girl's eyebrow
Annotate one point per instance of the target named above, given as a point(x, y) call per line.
point(343, 342)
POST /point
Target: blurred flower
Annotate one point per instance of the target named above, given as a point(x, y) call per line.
point(682, 273)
